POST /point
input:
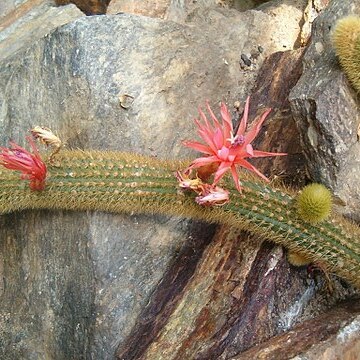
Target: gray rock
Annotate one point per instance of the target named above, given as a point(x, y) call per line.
point(74, 284)
point(149, 8)
point(8, 6)
point(326, 110)
point(72, 79)
point(32, 22)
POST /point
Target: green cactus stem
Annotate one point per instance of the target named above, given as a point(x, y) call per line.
point(346, 40)
point(128, 183)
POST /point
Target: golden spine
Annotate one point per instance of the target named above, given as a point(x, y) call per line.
point(129, 183)
point(346, 40)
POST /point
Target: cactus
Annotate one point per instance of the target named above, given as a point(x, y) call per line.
point(314, 203)
point(346, 40)
point(296, 259)
point(129, 183)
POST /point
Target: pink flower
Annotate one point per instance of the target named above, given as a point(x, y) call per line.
point(224, 148)
point(30, 164)
point(212, 195)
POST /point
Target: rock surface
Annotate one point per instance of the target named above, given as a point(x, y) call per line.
point(30, 22)
point(326, 110)
point(333, 335)
point(71, 81)
point(88, 7)
point(12, 6)
point(250, 293)
point(81, 77)
point(150, 8)
point(72, 283)
point(82, 285)
point(176, 10)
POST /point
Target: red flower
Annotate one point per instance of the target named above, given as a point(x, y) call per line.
point(30, 164)
point(224, 148)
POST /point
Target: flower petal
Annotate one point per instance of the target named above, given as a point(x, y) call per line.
point(204, 118)
point(223, 168)
point(252, 168)
point(203, 161)
point(231, 158)
point(218, 138)
point(29, 164)
point(243, 122)
point(198, 146)
point(258, 153)
point(208, 140)
point(223, 153)
point(249, 150)
point(207, 136)
point(227, 122)
point(251, 135)
point(213, 117)
point(236, 178)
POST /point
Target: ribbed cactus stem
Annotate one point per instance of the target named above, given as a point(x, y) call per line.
point(346, 39)
point(128, 183)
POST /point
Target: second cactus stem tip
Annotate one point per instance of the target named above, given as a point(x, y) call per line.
point(346, 40)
